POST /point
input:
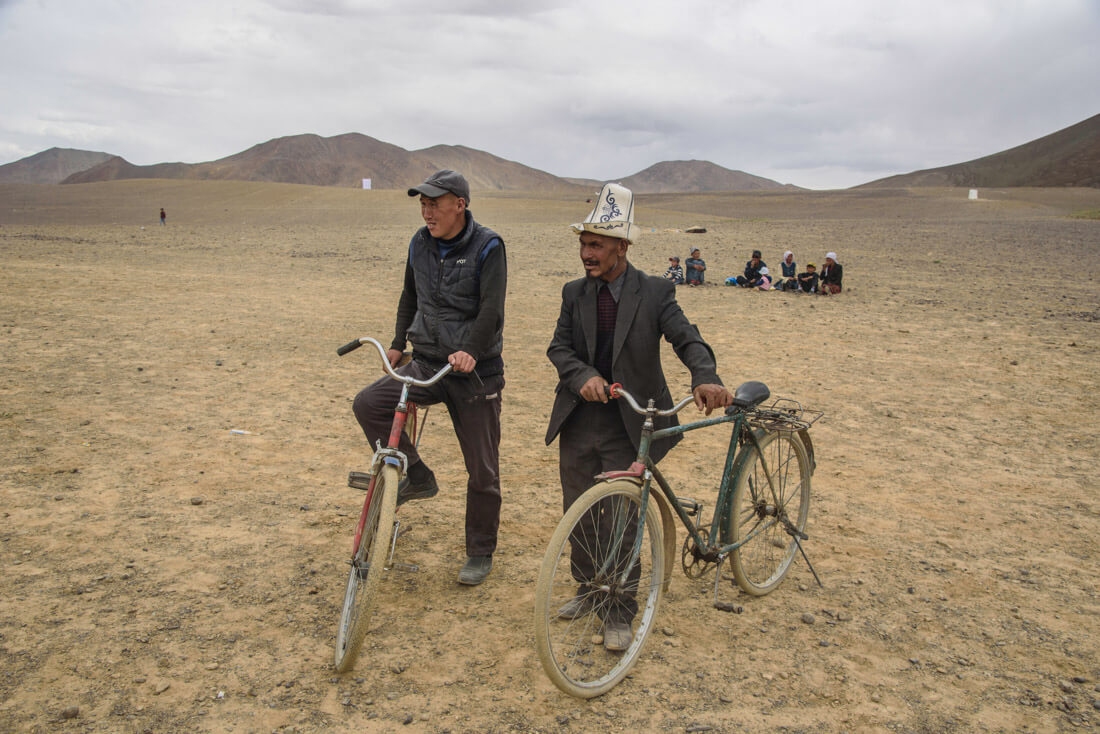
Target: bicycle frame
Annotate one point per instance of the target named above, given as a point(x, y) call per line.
point(404, 411)
point(710, 552)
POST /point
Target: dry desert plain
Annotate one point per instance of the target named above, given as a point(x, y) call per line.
point(164, 574)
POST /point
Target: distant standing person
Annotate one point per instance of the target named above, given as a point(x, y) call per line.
point(163, 216)
point(831, 276)
point(452, 312)
point(695, 267)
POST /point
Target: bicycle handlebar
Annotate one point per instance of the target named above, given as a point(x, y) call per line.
point(352, 346)
point(616, 391)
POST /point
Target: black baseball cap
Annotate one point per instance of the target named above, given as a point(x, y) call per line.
point(443, 182)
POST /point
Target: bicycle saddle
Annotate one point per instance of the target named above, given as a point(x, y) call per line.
point(748, 396)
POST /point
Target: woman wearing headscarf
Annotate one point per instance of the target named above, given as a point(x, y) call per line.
point(787, 281)
point(831, 276)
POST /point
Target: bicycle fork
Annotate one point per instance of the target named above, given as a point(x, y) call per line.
point(619, 583)
point(780, 513)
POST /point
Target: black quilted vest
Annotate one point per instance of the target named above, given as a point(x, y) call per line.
point(448, 291)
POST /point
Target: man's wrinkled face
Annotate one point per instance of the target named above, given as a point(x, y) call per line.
point(444, 215)
point(602, 256)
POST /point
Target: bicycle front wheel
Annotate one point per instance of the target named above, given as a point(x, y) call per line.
point(367, 567)
point(760, 565)
point(587, 579)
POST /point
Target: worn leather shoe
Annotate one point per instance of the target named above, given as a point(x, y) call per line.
point(410, 489)
point(616, 636)
point(577, 607)
point(475, 570)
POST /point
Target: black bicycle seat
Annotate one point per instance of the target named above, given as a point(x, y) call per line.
point(748, 396)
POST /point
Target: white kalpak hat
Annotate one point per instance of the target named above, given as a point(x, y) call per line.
point(613, 215)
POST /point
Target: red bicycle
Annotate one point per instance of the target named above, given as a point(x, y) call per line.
point(376, 533)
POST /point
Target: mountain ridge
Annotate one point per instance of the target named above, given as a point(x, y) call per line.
point(1068, 157)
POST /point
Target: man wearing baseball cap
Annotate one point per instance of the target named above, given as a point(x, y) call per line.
point(451, 311)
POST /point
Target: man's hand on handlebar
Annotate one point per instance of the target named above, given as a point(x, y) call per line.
point(595, 390)
point(710, 396)
point(394, 356)
point(462, 362)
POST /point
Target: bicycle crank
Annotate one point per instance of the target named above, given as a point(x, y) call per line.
point(692, 560)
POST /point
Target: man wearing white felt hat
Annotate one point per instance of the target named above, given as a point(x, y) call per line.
point(610, 330)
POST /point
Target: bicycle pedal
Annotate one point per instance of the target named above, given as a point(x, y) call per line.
point(725, 606)
point(359, 480)
point(689, 506)
point(407, 567)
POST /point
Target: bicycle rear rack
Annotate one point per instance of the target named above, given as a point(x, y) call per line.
point(783, 414)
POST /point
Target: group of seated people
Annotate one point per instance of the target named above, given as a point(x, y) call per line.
point(757, 275)
point(695, 268)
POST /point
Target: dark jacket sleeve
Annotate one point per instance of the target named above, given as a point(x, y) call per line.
point(686, 341)
point(565, 355)
point(406, 310)
point(490, 315)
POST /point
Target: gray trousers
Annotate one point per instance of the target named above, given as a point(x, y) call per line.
point(474, 407)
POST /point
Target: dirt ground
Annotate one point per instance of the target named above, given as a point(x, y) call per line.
point(163, 573)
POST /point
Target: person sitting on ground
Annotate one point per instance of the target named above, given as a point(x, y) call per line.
point(787, 281)
point(831, 276)
point(695, 268)
point(765, 282)
point(751, 278)
point(807, 282)
point(675, 271)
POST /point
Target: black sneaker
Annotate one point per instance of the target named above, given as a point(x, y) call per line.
point(410, 489)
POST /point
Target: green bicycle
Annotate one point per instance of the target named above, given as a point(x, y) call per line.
point(611, 554)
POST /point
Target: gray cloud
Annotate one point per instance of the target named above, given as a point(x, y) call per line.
point(816, 94)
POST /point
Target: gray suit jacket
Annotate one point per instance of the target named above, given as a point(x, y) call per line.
point(647, 311)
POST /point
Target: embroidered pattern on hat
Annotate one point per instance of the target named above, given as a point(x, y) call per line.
point(614, 209)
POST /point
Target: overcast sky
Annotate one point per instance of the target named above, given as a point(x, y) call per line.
point(818, 93)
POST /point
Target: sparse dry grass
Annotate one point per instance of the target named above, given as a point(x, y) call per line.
point(953, 519)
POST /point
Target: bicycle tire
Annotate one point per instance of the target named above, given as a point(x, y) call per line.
point(571, 650)
point(367, 566)
point(760, 565)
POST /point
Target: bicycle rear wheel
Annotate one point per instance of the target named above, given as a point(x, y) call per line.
point(367, 567)
point(582, 576)
point(760, 565)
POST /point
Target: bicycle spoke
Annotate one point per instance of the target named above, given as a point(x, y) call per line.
point(768, 508)
point(592, 580)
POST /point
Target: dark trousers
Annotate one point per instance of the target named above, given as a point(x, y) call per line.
point(592, 441)
point(474, 407)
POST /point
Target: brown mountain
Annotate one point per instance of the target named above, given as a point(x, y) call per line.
point(342, 160)
point(50, 166)
point(670, 177)
point(1069, 157)
point(486, 171)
